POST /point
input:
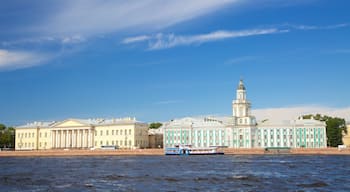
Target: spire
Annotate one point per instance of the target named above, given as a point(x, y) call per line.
point(241, 85)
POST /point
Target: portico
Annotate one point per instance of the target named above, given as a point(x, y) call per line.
point(72, 134)
point(72, 138)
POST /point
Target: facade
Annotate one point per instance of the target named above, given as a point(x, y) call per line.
point(241, 130)
point(346, 137)
point(155, 138)
point(82, 134)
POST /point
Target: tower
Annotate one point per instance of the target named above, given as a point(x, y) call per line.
point(241, 107)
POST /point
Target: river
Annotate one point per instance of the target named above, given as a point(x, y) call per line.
point(176, 173)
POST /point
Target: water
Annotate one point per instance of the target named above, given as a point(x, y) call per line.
point(175, 173)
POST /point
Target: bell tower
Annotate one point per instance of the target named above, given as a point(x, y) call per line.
point(241, 107)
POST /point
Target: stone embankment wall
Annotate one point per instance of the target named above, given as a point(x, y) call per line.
point(140, 152)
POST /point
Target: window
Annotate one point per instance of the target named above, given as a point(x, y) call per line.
point(106, 132)
point(107, 143)
point(40, 144)
point(129, 131)
point(25, 135)
point(95, 133)
point(101, 133)
point(129, 142)
point(125, 133)
point(101, 142)
point(116, 132)
point(112, 132)
point(45, 134)
point(40, 137)
point(32, 134)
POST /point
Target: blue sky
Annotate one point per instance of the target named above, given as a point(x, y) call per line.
point(159, 60)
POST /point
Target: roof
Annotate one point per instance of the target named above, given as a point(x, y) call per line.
point(298, 122)
point(36, 124)
point(195, 122)
point(93, 122)
point(241, 85)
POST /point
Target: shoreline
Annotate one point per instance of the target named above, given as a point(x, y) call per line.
point(160, 152)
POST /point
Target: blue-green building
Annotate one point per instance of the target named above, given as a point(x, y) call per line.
point(241, 130)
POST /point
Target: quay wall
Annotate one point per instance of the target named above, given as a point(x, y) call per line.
point(143, 152)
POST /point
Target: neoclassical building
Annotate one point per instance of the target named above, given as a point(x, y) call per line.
point(241, 130)
point(82, 133)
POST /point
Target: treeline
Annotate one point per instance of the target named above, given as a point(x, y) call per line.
point(7, 137)
point(335, 127)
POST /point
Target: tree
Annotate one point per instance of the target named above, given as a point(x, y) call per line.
point(155, 125)
point(335, 127)
point(2, 127)
point(7, 138)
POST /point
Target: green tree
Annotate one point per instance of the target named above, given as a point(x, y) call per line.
point(335, 127)
point(7, 136)
point(155, 125)
point(2, 127)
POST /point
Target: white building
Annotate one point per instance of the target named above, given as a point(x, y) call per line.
point(241, 130)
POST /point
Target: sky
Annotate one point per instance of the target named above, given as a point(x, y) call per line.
point(159, 60)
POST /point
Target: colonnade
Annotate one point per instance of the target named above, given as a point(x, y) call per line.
point(72, 138)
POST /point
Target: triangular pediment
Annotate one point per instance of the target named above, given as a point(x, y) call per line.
point(71, 123)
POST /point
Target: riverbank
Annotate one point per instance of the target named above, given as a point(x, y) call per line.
point(143, 152)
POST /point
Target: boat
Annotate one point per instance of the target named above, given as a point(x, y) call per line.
point(189, 150)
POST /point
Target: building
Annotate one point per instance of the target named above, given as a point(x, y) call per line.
point(346, 136)
point(241, 130)
point(82, 134)
point(155, 138)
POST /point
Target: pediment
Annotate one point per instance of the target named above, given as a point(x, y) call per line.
point(71, 123)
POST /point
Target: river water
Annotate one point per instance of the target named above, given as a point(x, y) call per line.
point(176, 173)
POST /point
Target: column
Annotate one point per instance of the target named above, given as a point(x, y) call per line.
point(83, 138)
point(78, 135)
point(70, 138)
point(92, 138)
point(74, 139)
point(89, 136)
point(52, 140)
point(66, 143)
point(56, 139)
point(62, 139)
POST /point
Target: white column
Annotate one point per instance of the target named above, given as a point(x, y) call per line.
point(56, 139)
point(52, 140)
point(78, 135)
point(74, 139)
point(89, 136)
point(61, 139)
point(66, 143)
point(83, 138)
point(68, 139)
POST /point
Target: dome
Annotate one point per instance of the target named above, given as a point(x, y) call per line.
point(241, 85)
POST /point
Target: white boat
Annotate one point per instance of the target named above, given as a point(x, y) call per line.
point(189, 150)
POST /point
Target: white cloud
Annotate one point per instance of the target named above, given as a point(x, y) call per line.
point(290, 113)
point(97, 17)
point(10, 60)
point(164, 41)
point(315, 27)
point(73, 39)
point(136, 39)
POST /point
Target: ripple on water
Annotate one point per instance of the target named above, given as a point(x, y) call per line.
point(149, 173)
